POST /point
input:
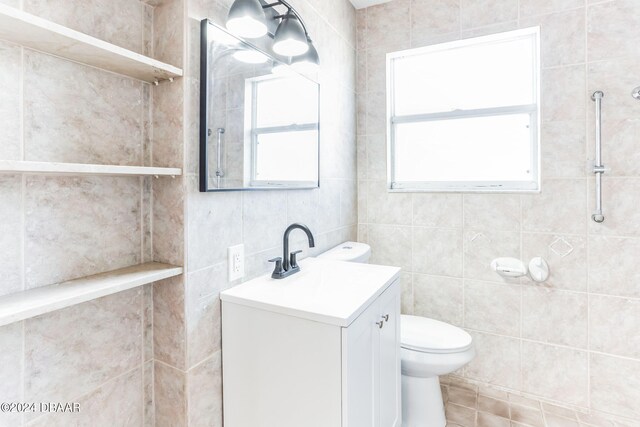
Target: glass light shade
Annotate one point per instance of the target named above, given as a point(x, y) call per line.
point(247, 19)
point(290, 38)
point(250, 57)
point(309, 62)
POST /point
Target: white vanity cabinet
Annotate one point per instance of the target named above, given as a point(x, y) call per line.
point(318, 350)
point(371, 362)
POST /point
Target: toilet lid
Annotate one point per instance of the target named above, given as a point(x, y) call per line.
point(432, 336)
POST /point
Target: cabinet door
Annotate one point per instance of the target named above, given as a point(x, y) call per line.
point(360, 348)
point(389, 358)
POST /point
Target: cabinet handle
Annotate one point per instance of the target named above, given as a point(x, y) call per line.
point(386, 317)
point(380, 324)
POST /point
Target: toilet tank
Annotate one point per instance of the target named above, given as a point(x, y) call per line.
point(350, 252)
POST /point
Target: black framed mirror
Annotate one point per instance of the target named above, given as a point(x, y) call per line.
point(259, 118)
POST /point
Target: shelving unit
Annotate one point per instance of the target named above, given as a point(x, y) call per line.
point(46, 36)
point(52, 168)
point(34, 302)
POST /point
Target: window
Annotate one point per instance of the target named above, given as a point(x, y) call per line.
point(283, 132)
point(463, 116)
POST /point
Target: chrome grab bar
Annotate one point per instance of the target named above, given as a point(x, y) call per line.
point(219, 172)
point(598, 168)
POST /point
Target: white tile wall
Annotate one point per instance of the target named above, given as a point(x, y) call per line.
point(571, 340)
point(100, 353)
point(216, 221)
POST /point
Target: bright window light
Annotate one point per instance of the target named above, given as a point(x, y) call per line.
point(285, 101)
point(287, 156)
point(464, 116)
point(284, 131)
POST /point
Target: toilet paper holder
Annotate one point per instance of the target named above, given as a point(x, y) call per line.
point(537, 270)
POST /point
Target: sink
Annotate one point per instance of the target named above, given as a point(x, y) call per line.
point(327, 291)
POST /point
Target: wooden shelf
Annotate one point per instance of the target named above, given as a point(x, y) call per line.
point(34, 302)
point(45, 36)
point(49, 168)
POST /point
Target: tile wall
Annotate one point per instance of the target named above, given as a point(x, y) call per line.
point(572, 340)
point(100, 353)
point(188, 383)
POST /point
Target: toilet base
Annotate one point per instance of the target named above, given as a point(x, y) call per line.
point(422, 404)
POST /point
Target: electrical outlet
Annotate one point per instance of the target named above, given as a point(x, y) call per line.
point(236, 262)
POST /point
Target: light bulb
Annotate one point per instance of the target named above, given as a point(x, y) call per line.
point(290, 38)
point(309, 62)
point(250, 57)
point(247, 19)
point(247, 27)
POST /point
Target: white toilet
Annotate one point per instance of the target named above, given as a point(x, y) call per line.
point(429, 348)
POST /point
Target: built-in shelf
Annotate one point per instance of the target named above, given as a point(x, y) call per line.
point(39, 34)
point(34, 302)
point(52, 168)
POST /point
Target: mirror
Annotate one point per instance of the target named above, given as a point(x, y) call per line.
point(259, 118)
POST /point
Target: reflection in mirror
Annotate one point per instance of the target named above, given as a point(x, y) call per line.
point(259, 124)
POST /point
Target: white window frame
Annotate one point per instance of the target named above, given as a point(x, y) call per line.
point(253, 133)
point(533, 110)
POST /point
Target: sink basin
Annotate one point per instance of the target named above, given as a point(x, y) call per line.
point(327, 291)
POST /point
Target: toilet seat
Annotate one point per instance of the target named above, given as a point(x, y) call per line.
point(432, 336)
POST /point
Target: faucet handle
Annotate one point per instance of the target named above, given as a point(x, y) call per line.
point(278, 270)
point(293, 262)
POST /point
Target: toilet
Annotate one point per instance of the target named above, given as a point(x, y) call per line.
point(429, 348)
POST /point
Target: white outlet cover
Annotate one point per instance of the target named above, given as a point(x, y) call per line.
point(235, 262)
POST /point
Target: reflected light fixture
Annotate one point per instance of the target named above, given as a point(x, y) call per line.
point(290, 38)
point(280, 21)
point(307, 63)
point(250, 56)
point(247, 19)
point(282, 65)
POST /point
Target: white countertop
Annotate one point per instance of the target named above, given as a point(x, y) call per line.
point(326, 291)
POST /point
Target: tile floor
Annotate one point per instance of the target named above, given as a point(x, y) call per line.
point(469, 405)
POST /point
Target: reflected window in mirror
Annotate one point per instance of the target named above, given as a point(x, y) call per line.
point(259, 118)
point(282, 132)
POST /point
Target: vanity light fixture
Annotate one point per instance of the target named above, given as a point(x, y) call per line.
point(290, 38)
point(257, 18)
point(307, 63)
point(247, 19)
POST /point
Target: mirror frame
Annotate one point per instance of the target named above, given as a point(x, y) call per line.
point(204, 122)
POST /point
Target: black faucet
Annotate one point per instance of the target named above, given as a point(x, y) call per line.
point(288, 264)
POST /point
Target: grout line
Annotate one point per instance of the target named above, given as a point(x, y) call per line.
point(78, 398)
point(541, 401)
point(142, 221)
point(22, 104)
point(23, 368)
point(521, 314)
point(152, 360)
point(23, 230)
point(464, 256)
point(551, 344)
point(169, 366)
point(588, 240)
point(142, 353)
